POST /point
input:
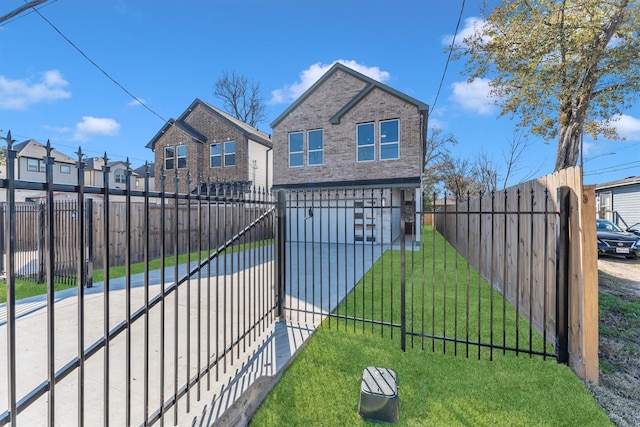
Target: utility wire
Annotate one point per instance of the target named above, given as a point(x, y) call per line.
point(99, 68)
point(18, 11)
point(446, 65)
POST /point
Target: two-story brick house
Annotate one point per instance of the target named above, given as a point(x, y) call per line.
point(211, 144)
point(350, 131)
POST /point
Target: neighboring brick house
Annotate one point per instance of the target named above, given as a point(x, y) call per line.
point(351, 131)
point(209, 143)
point(30, 166)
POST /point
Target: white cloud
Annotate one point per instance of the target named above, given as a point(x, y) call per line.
point(136, 102)
point(95, 126)
point(20, 94)
point(474, 96)
point(472, 25)
point(308, 77)
point(628, 127)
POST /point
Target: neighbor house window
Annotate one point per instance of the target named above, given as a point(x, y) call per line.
point(65, 169)
point(389, 140)
point(230, 153)
point(366, 143)
point(296, 149)
point(35, 165)
point(315, 147)
point(216, 155)
point(181, 151)
point(120, 176)
point(169, 158)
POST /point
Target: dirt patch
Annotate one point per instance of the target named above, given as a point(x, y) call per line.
point(619, 352)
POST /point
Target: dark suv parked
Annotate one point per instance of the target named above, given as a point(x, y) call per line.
point(613, 241)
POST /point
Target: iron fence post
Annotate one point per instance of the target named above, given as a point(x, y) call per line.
point(2, 252)
point(562, 276)
point(89, 238)
point(403, 273)
point(280, 253)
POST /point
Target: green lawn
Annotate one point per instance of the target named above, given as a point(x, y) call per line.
point(322, 386)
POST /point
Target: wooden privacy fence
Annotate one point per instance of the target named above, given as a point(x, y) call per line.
point(215, 222)
point(510, 238)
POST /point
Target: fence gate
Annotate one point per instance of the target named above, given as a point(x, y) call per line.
point(471, 276)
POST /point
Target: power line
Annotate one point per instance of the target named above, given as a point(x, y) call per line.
point(446, 65)
point(617, 168)
point(99, 68)
point(18, 11)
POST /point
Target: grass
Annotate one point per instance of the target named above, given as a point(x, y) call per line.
point(436, 387)
point(322, 386)
point(26, 288)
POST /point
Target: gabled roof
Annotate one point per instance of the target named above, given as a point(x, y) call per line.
point(248, 131)
point(32, 149)
point(193, 133)
point(141, 170)
point(371, 85)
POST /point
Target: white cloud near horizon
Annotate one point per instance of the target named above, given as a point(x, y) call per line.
point(628, 127)
point(20, 94)
point(474, 96)
point(308, 77)
point(90, 126)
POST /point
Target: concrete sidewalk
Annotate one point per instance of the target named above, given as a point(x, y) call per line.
point(226, 394)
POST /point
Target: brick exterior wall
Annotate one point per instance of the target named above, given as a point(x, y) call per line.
point(340, 140)
point(216, 129)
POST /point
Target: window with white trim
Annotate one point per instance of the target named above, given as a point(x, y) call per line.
point(169, 158)
point(230, 153)
point(181, 151)
point(296, 149)
point(120, 176)
point(216, 155)
point(389, 140)
point(35, 165)
point(365, 140)
point(65, 169)
point(315, 143)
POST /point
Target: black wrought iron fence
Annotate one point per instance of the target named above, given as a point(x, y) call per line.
point(136, 348)
point(480, 280)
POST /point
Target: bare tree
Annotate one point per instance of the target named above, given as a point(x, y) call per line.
point(484, 172)
point(241, 97)
point(460, 178)
point(436, 163)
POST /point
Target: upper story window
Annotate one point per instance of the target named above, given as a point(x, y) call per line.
point(389, 140)
point(315, 147)
point(65, 169)
point(216, 155)
point(365, 142)
point(296, 149)
point(169, 158)
point(230, 153)
point(175, 156)
point(35, 165)
point(181, 151)
point(120, 176)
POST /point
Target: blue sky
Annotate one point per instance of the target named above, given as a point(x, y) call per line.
point(167, 53)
